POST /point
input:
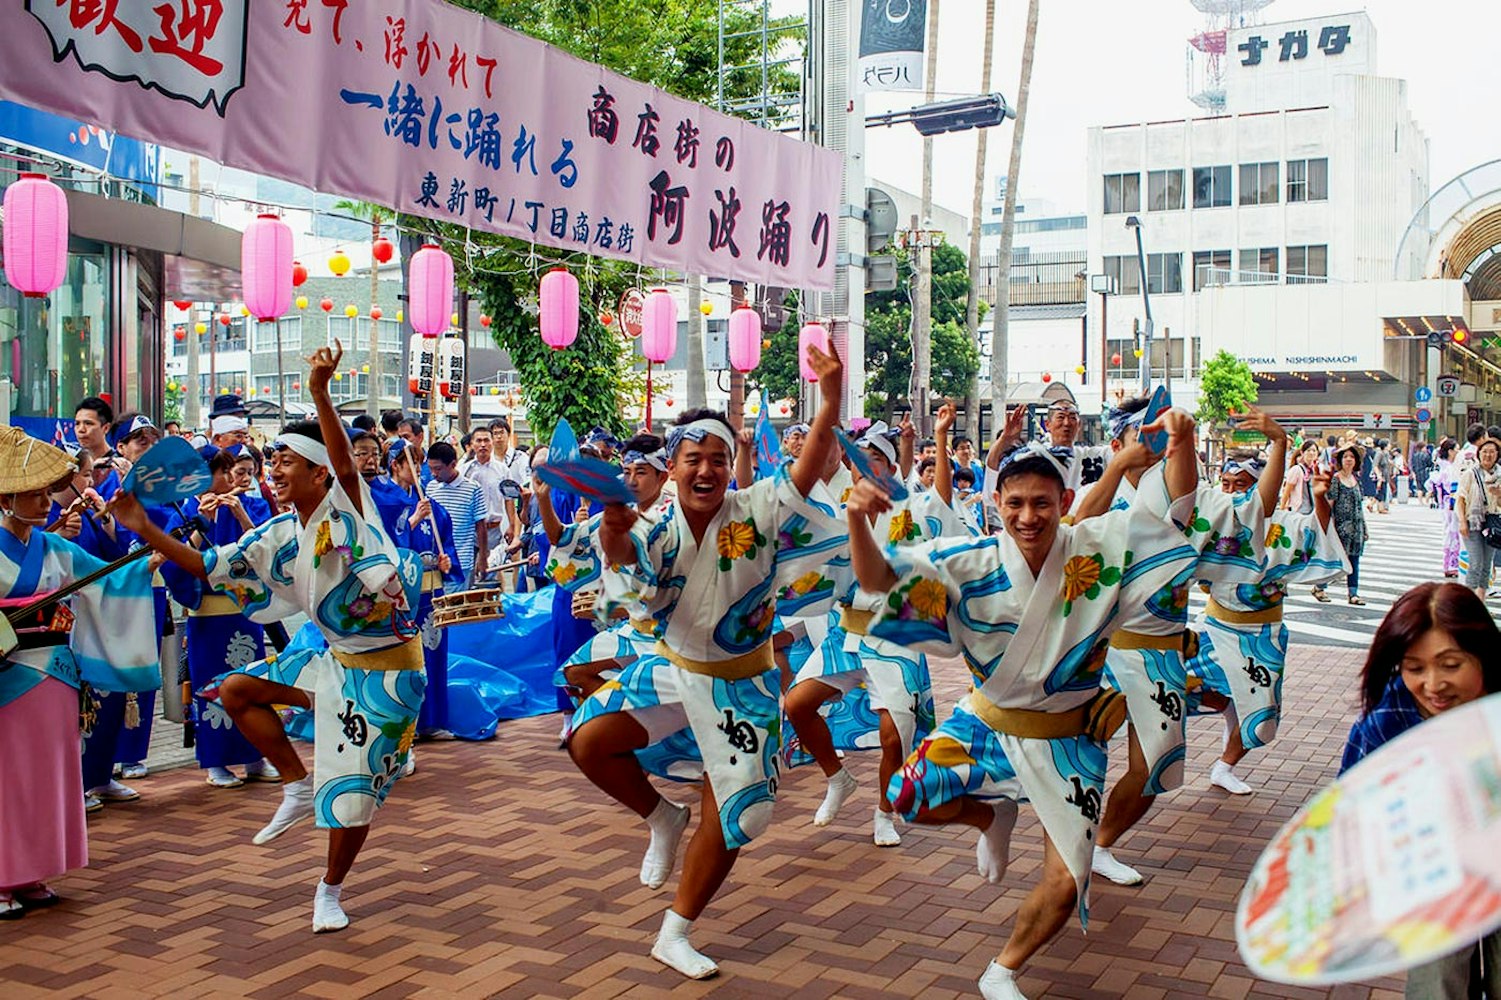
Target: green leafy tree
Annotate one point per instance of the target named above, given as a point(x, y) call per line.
point(172, 403)
point(1225, 384)
point(888, 335)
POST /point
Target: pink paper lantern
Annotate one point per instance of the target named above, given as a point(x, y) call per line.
point(814, 335)
point(559, 302)
point(266, 267)
point(745, 339)
point(659, 326)
point(36, 235)
point(430, 288)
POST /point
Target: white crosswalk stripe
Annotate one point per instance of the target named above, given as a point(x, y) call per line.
point(1404, 550)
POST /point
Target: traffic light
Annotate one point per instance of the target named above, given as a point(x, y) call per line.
point(1443, 338)
point(1460, 336)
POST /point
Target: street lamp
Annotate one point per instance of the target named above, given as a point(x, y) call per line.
point(1133, 223)
point(984, 111)
point(1104, 286)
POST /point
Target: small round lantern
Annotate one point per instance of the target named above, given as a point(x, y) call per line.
point(382, 250)
point(1115, 359)
point(171, 386)
point(182, 304)
point(706, 307)
point(299, 274)
point(244, 310)
point(351, 310)
point(302, 302)
point(558, 299)
point(375, 313)
point(224, 319)
point(35, 235)
point(400, 316)
point(606, 318)
point(430, 289)
point(811, 335)
point(1079, 370)
point(484, 321)
point(1137, 352)
point(200, 328)
point(1047, 376)
point(178, 334)
point(659, 326)
point(327, 305)
point(745, 339)
point(338, 264)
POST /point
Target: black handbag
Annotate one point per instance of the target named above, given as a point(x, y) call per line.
point(1490, 526)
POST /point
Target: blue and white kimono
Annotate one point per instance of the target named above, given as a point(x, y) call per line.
point(84, 640)
point(874, 674)
point(1035, 644)
point(1145, 660)
point(396, 507)
point(219, 638)
point(710, 689)
point(346, 573)
point(1243, 644)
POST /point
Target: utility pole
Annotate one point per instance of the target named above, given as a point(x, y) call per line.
point(922, 298)
point(697, 387)
point(737, 377)
point(192, 397)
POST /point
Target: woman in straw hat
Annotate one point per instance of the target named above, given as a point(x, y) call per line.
point(41, 790)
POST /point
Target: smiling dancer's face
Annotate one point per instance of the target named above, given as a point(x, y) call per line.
point(701, 471)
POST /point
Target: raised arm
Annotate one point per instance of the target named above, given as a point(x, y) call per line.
point(1320, 481)
point(1181, 474)
point(129, 512)
point(549, 516)
point(745, 457)
point(906, 447)
point(871, 568)
point(322, 364)
point(1010, 437)
point(1270, 486)
point(943, 471)
point(809, 464)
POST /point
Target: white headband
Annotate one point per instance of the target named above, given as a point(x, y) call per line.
point(656, 459)
point(299, 444)
point(1251, 467)
point(227, 425)
point(1056, 456)
point(875, 436)
point(697, 431)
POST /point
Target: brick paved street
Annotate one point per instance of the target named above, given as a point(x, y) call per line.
point(497, 871)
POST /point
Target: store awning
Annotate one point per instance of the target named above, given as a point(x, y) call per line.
point(202, 257)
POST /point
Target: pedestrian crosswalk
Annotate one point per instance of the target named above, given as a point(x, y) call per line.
point(1404, 550)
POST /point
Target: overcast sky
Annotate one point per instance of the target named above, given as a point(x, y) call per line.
point(1100, 62)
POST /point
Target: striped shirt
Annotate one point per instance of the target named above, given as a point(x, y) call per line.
point(465, 503)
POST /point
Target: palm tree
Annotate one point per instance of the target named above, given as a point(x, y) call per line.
point(972, 301)
point(999, 338)
point(375, 215)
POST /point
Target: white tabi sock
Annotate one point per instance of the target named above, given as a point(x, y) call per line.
point(673, 950)
point(884, 832)
point(1224, 776)
point(842, 785)
point(999, 983)
point(296, 805)
point(1105, 863)
point(667, 823)
point(328, 915)
point(993, 851)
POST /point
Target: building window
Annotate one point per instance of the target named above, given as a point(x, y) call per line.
point(1164, 273)
point(1308, 180)
point(1258, 265)
point(1126, 271)
point(1164, 190)
point(1122, 193)
point(265, 387)
point(263, 336)
point(1212, 187)
point(1308, 265)
point(1211, 267)
point(355, 333)
point(1258, 183)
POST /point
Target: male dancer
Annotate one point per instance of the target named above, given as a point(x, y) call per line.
point(329, 558)
point(1031, 611)
point(709, 570)
point(895, 680)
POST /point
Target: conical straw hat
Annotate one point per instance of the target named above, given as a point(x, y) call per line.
point(28, 464)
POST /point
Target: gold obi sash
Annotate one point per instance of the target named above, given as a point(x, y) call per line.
point(214, 606)
point(854, 621)
point(1099, 718)
point(1268, 616)
point(1185, 642)
point(752, 664)
point(407, 656)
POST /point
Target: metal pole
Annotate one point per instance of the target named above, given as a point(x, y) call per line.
point(1104, 345)
point(1146, 304)
point(281, 379)
point(737, 377)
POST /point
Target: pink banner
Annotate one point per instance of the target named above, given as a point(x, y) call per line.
point(437, 111)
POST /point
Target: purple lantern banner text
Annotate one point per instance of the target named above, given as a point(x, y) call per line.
point(436, 111)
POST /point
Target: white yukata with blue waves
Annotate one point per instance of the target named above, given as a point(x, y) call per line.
point(347, 575)
point(873, 674)
point(1244, 661)
point(718, 600)
point(1154, 603)
point(978, 597)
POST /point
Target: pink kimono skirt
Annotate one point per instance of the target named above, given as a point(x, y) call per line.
point(42, 826)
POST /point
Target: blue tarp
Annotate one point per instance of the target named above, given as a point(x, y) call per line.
point(482, 692)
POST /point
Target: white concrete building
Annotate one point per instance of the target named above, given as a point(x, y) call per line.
point(1310, 177)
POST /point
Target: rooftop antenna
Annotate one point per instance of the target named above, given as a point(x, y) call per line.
point(1206, 49)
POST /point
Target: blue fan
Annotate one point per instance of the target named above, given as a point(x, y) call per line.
point(565, 469)
point(1162, 401)
point(170, 472)
point(861, 461)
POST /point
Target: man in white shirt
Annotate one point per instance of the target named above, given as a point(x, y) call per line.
point(486, 473)
point(515, 467)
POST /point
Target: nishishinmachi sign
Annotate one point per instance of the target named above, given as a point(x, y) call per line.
point(437, 111)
